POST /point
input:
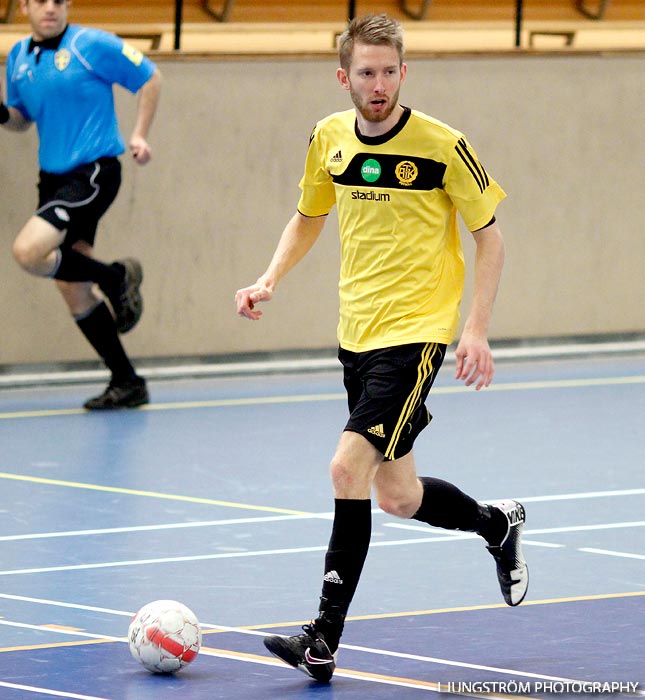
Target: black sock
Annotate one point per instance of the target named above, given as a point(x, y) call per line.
point(493, 526)
point(99, 329)
point(76, 267)
point(346, 554)
point(444, 505)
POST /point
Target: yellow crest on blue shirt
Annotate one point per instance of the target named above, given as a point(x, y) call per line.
point(133, 54)
point(62, 59)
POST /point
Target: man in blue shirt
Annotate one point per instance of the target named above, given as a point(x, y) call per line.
point(61, 78)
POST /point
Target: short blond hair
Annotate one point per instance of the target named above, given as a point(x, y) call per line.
point(374, 30)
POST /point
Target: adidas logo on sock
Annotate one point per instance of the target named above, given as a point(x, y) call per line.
point(377, 430)
point(338, 158)
point(332, 577)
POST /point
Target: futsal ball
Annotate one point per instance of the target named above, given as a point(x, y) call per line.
point(164, 636)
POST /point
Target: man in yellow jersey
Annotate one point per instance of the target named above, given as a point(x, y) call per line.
point(399, 178)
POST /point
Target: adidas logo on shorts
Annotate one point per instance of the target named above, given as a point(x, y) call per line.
point(377, 430)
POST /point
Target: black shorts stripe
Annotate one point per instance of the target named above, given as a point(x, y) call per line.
point(74, 202)
point(82, 203)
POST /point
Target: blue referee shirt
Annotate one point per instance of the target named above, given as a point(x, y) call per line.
point(65, 87)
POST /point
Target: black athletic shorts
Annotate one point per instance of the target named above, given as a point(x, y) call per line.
point(386, 393)
point(75, 201)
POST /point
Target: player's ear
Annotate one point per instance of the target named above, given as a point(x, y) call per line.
point(343, 78)
point(404, 71)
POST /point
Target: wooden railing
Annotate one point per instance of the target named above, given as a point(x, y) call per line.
point(156, 11)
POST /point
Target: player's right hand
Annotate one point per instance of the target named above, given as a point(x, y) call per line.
point(248, 297)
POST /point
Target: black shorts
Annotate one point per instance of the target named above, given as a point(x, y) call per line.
point(386, 393)
point(75, 201)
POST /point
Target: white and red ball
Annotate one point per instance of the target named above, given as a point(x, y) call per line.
point(164, 636)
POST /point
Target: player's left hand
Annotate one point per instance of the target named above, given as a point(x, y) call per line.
point(474, 361)
point(140, 150)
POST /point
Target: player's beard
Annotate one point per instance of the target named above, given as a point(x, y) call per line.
point(366, 110)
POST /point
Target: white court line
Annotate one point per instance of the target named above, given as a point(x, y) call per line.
point(60, 604)
point(164, 526)
point(47, 691)
point(585, 528)
point(576, 496)
point(448, 662)
point(535, 531)
point(547, 545)
point(72, 633)
point(340, 672)
point(265, 661)
point(110, 611)
point(223, 555)
point(302, 550)
point(303, 516)
point(610, 553)
point(166, 560)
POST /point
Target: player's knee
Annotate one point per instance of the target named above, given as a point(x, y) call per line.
point(389, 505)
point(23, 254)
point(349, 480)
point(401, 505)
point(341, 474)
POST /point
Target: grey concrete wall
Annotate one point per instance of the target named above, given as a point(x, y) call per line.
point(562, 134)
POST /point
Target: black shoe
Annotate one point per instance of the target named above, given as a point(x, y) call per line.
point(512, 570)
point(128, 394)
point(128, 306)
point(307, 652)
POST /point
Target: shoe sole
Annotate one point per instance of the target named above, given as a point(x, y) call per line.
point(520, 525)
point(526, 590)
point(117, 407)
point(134, 276)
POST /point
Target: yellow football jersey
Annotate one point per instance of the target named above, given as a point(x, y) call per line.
point(402, 265)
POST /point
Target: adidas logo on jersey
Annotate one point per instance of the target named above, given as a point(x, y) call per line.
point(338, 158)
point(332, 577)
point(377, 430)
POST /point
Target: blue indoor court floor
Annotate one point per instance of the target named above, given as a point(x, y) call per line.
point(217, 494)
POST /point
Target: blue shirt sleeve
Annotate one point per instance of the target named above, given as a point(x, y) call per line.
point(114, 60)
point(13, 97)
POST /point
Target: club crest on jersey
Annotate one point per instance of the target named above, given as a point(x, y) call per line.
point(62, 59)
point(406, 172)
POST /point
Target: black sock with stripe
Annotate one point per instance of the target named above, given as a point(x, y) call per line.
point(76, 267)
